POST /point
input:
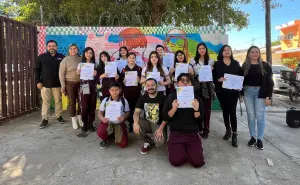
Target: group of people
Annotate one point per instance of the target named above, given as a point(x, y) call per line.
point(182, 128)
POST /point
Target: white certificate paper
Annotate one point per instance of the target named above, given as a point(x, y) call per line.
point(121, 64)
point(168, 60)
point(111, 68)
point(181, 68)
point(87, 71)
point(233, 82)
point(131, 78)
point(185, 96)
point(113, 111)
point(155, 75)
point(205, 74)
point(139, 61)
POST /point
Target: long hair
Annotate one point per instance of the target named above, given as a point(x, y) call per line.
point(158, 65)
point(101, 63)
point(198, 56)
point(247, 64)
point(93, 55)
point(175, 58)
point(123, 47)
point(74, 46)
point(220, 55)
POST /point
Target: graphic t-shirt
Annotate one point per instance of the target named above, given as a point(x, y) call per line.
point(152, 106)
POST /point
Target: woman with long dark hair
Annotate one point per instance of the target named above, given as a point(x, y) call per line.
point(228, 98)
point(179, 58)
point(88, 91)
point(132, 93)
point(123, 55)
point(154, 65)
point(205, 89)
point(70, 83)
point(104, 79)
point(258, 89)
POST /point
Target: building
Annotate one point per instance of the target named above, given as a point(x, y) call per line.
point(290, 39)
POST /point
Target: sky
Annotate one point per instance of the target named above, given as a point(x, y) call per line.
point(255, 33)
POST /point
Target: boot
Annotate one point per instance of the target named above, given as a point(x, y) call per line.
point(227, 134)
point(74, 123)
point(80, 123)
point(234, 140)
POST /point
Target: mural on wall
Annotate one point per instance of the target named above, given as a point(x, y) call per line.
point(141, 40)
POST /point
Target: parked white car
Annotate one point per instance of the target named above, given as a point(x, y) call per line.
point(280, 84)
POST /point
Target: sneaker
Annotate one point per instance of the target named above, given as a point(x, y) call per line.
point(205, 135)
point(44, 124)
point(103, 144)
point(79, 119)
point(252, 141)
point(60, 120)
point(234, 140)
point(259, 144)
point(74, 123)
point(145, 149)
point(227, 135)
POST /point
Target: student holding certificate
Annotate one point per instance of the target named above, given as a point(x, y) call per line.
point(228, 98)
point(184, 142)
point(122, 60)
point(154, 65)
point(258, 89)
point(205, 88)
point(180, 58)
point(113, 112)
point(88, 82)
point(132, 87)
point(105, 80)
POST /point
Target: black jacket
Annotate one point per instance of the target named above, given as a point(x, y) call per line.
point(267, 86)
point(47, 69)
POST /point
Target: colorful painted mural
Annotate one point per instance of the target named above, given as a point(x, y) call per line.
point(141, 40)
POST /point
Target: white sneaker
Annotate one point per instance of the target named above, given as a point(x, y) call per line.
point(74, 123)
point(80, 123)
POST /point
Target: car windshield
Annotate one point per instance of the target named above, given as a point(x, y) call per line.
point(277, 69)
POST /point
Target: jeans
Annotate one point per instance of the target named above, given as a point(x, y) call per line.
point(256, 110)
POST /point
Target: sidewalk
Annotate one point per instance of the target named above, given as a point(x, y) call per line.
point(56, 156)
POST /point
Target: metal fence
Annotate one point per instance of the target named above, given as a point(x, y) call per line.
point(18, 51)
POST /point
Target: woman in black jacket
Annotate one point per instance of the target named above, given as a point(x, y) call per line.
point(258, 88)
point(228, 98)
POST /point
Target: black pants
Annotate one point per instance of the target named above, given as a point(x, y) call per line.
point(228, 100)
point(88, 105)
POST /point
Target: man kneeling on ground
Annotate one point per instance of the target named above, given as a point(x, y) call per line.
point(184, 140)
point(117, 127)
point(152, 103)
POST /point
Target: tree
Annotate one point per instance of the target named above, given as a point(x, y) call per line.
point(275, 43)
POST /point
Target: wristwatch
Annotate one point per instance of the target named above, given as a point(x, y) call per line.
point(270, 98)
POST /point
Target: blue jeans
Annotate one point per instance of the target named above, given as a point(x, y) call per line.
point(256, 110)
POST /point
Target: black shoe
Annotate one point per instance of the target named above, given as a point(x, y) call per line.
point(227, 135)
point(103, 144)
point(205, 135)
point(259, 144)
point(234, 140)
point(44, 124)
point(252, 141)
point(92, 129)
point(60, 120)
point(84, 130)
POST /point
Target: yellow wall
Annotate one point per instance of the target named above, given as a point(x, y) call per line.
point(295, 41)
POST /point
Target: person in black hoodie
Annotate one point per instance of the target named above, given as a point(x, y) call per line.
point(184, 140)
point(228, 98)
point(258, 89)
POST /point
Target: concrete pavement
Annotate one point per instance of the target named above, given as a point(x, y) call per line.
point(56, 156)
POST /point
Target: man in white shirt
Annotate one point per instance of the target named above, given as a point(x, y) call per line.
point(116, 126)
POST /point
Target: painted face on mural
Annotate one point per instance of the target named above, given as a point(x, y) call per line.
point(254, 54)
point(123, 52)
point(202, 50)
point(88, 55)
point(51, 47)
point(180, 57)
point(154, 59)
point(73, 51)
point(227, 52)
point(131, 59)
point(103, 58)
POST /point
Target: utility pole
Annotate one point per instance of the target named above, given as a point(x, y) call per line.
point(42, 15)
point(268, 30)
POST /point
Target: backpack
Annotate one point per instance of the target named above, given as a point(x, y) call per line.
point(107, 98)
